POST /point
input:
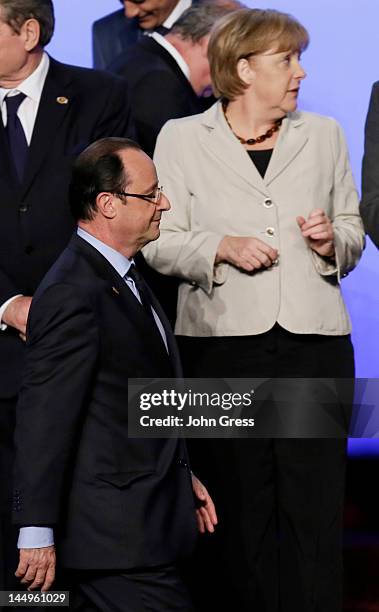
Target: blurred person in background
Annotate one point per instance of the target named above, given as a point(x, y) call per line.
point(166, 76)
point(263, 226)
point(115, 33)
point(370, 169)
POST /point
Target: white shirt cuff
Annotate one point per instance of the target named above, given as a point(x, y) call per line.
point(3, 306)
point(35, 537)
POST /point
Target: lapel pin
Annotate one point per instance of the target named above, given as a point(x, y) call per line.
point(116, 291)
point(62, 100)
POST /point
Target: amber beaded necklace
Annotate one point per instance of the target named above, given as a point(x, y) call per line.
point(253, 141)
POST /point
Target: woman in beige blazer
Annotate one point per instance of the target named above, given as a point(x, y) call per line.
point(264, 224)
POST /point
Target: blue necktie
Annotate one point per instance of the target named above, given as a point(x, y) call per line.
point(142, 290)
point(16, 136)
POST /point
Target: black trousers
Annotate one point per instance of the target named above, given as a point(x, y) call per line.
point(278, 546)
point(148, 590)
point(8, 533)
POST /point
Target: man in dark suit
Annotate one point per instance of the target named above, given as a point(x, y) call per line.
point(370, 169)
point(50, 111)
point(115, 33)
point(122, 509)
point(167, 74)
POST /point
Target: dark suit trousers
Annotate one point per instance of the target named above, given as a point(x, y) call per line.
point(8, 533)
point(278, 544)
point(149, 590)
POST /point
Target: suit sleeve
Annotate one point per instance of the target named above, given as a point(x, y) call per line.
point(61, 353)
point(115, 118)
point(150, 115)
point(370, 169)
point(7, 288)
point(181, 250)
point(349, 237)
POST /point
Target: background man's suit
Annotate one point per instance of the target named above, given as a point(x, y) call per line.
point(111, 35)
point(158, 88)
point(370, 170)
point(77, 107)
point(159, 91)
point(119, 503)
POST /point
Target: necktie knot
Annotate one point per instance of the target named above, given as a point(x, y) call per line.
point(13, 103)
point(133, 274)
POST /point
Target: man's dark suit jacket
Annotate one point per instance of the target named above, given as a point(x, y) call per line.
point(77, 107)
point(111, 35)
point(159, 90)
point(117, 502)
point(370, 169)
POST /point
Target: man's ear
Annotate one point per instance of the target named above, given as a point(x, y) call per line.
point(31, 32)
point(105, 205)
point(245, 71)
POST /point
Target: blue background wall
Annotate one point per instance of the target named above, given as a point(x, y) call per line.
point(342, 63)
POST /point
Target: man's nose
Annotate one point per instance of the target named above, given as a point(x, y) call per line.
point(164, 203)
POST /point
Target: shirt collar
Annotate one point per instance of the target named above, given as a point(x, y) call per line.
point(178, 10)
point(32, 86)
point(119, 262)
point(161, 40)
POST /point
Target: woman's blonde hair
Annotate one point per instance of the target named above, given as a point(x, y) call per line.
point(244, 33)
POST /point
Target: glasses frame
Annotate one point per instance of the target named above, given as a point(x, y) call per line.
point(147, 197)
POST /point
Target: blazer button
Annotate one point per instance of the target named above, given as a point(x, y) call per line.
point(29, 249)
point(23, 208)
point(183, 463)
point(270, 231)
point(267, 203)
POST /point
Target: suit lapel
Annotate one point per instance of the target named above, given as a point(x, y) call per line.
point(218, 138)
point(6, 165)
point(120, 291)
point(292, 138)
point(153, 47)
point(55, 103)
point(171, 342)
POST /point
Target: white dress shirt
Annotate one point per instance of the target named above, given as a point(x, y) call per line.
point(27, 113)
point(182, 6)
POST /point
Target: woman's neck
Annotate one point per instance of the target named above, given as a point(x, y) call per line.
point(248, 120)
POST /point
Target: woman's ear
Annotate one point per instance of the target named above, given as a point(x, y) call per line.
point(245, 71)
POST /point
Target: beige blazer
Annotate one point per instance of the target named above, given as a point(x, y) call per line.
point(215, 189)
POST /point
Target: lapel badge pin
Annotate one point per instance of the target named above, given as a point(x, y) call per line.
point(116, 291)
point(62, 100)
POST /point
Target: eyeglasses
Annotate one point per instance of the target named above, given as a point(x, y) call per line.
point(153, 197)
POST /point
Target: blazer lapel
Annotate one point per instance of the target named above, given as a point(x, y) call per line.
point(56, 100)
point(218, 138)
point(153, 47)
point(171, 342)
point(292, 138)
point(119, 289)
point(6, 165)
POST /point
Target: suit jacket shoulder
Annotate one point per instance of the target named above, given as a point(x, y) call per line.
point(159, 89)
point(111, 35)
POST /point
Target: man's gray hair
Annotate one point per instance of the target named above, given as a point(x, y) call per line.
point(198, 20)
point(16, 12)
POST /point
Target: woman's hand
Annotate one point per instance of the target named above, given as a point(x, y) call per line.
point(246, 253)
point(318, 230)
